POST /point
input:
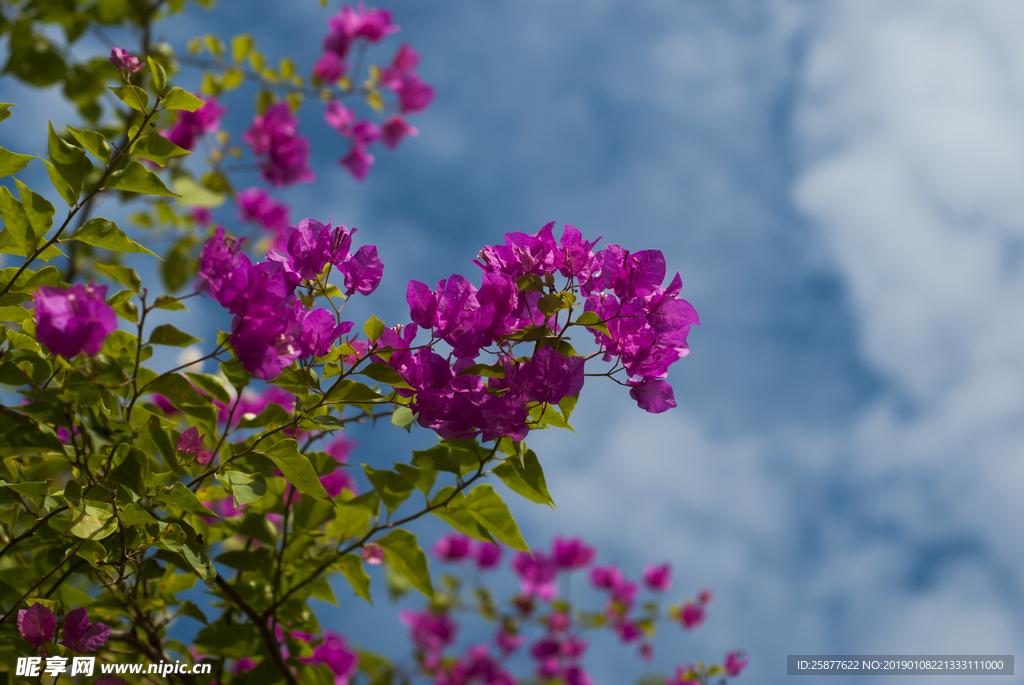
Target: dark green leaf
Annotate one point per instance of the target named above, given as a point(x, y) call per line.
point(21, 237)
point(351, 566)
point(166, 334)
point(93, 142)
point(37, 209)
point(133, 470)
point(134, 515)
point(392, 488)
point(182, 99)
point(403, 552)
point(12, 162)
point(201, 564)
point(352, 392)
point(297, 468)
point(100, 232)
point(181, 496)
point(526, 479)
point(136, 178)
point(423, 479)
point(456, 515)
point(486, 506)
point(33, 490)
point(189, 609)
point(214, 386)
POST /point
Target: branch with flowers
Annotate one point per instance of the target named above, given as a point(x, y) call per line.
point(122, 487)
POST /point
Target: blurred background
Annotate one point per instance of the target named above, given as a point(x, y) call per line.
point(841, 187)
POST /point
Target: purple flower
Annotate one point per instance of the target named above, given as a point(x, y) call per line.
point(191, 125)
point(363, 271)
point(244, 665)
point(37, 625)
point(606, 577)
point(256, 205)
point(275, 134)
point(191, 442)
point(335, 654)
point(350, 24)
point(547, 377)
point(573, 553)
point(340, 448)
point(358, 161)
point(536, 574)
point(734, 663)
point(628, 632)
point(691, 615)
point(74, 320)
point(339, 117)
point(428, 630)
point(414, 94)
point(365, 132)
point(488, 555)
point(82, 636)
point(452, 547)
point(201, 215)
point(266, 343)
point(405, 59)
point(319, 332)
point(329, 68)
point(652, 395)
point(394, 131)
point(658, 578)
point(508, 643)
point(124, 61)
point(373, 554)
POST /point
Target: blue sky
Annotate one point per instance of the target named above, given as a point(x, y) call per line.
point(839, 185)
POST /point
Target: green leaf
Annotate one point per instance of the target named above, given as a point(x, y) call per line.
point(136, 178)
point(134, 515)
point(245, 488)
point(100, 232)
point(189, 609)
point(423, 479)
point(526, 479)
point(21, 238)
point(351, 392)
point(201, 564)
point(555, 302)
point(182, 99)
point(486, 506)
point(404, 553)
point(592, 320)
point(133, 471)
point(37, 209)
point(350, 520)
point(5, 109)
point(158, 149)
point(181, 496)
point(403, 417)
point(168, 302)
point(159, 75)
point(241, 46)
point(351, 566)
point(379, 371)
point(122, 274)
point(94, 142)
point(373, 328)
point(133, 96)
point(69, 160)
point(166, 334)
point(456, 515)
point(33, 490)
point(236, 375)
point(195, 195)
point(297, 468)
point(93, 522)
point(392, 488)
point(60, 184)
point(12, 162)
point(214, 386)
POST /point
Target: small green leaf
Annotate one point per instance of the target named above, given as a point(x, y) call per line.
point(12, 162)
point(100, 232)
point(351, 392)
point(215, 386)
point(351, 566)
point(159, 75)
point(456, 515)
point(169, 302)
point(379, 371)
point(423, 479)
point(592, 320)
point(245, 488)
point(21, 238)
point(93, 142)
point(93, 522)
point(526, 479)
point(196, 195)
point(158, 149)
point(133, 471)
point(32, 490)
point(241, 46)
point(392, 488)
point(133, 96)
point(5, 109)
point(122, 274)
point(486, 506)
point(189, 609)
point(69, 160)
point(297, 468)
point(167, 334)
point(404, 553)
point(134, 515)
point(403, 417)
point(201, 564)
point(136, 178)
point(181, 496)
point(373, 328)
point(182, 99)
point(37, 209)
point(60, 184)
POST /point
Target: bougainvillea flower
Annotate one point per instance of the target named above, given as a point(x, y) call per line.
point(508, 643)
point(82, 636)
point(488, 555)
point(191, 443)
point(652, 395)
point(405, 59)
point(658, 577)
point(452, 547)
point(37, 625)
point(691, 615)
point(363, 271)
point(339, 117)
point(74, 320)
point(429, 630)
point(606, 577)
point(275, 135)
point(734, 663)
point(365, 132)
point(329, 67)
point(334, 652)
point(414, 94)
point(358, 161)
point(683, 676)
point(319, 331)
point(256, 205)
point(373, 554)
point(192, 125)
point(125, 61)
point(536, 574)
point(573, 553)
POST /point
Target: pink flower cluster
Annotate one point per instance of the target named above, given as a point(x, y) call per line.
point(272, 328)
point(125, 62)
point(74, 320)
point(191, 125)
point(38, 625)
point(455, 547)
point(274, 136)
point(255, 205)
